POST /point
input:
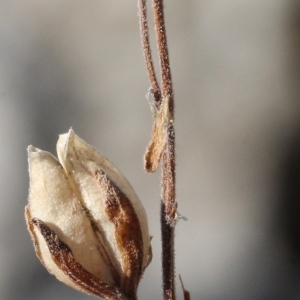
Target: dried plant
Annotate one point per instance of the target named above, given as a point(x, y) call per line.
point(88, 226)
point(162, 144)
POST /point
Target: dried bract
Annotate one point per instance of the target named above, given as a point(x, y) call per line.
point(88, 226)
point(162, 119)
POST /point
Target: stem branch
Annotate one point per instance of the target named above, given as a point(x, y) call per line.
point(147, 50)
point(161, 39)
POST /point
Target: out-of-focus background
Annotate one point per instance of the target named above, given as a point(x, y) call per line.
point(236, 71)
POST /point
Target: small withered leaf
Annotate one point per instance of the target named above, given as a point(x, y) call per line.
point(64, 259)
point(162, 118)
point(186, 293)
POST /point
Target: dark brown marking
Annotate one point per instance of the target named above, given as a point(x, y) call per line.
point(64, 259)
point(127, 232)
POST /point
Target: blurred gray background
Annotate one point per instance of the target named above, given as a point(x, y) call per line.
point(236, 71)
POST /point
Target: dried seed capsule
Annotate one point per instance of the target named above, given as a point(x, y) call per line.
point(89, 228)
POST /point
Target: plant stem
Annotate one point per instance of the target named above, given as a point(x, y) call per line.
point(161, 39)
point(147, 50)
point(167, 225)
point(168, 204)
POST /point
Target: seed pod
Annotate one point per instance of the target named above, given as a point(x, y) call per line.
point(88, 226)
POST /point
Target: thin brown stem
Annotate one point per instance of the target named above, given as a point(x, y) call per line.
point(168, 215)
point(168, 204)
point(147, 50)
point(161, 39)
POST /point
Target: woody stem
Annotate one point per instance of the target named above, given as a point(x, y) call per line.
point(168, 204)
